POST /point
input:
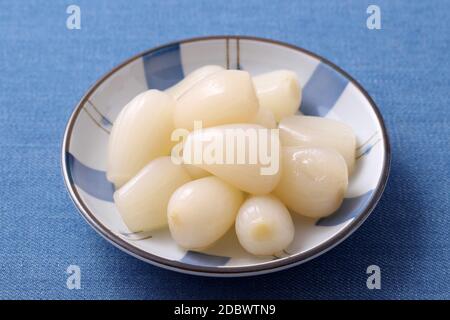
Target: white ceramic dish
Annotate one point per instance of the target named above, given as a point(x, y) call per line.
point(327, 92)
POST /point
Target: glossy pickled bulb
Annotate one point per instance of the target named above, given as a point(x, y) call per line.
point(201, 212)
point(265, 118)
point(279, 91)
point(192, 78)
point(247, 175)
point(308, 131)
point(264, 226)
point(142, 201)
point(140, 133)
point(313, 181)
point(226, 96)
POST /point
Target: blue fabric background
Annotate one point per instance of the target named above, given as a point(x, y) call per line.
point(45, 69)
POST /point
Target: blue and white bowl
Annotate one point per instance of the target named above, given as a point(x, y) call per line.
point(327, 92)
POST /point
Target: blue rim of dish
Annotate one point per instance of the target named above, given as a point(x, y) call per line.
point(262, 268)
